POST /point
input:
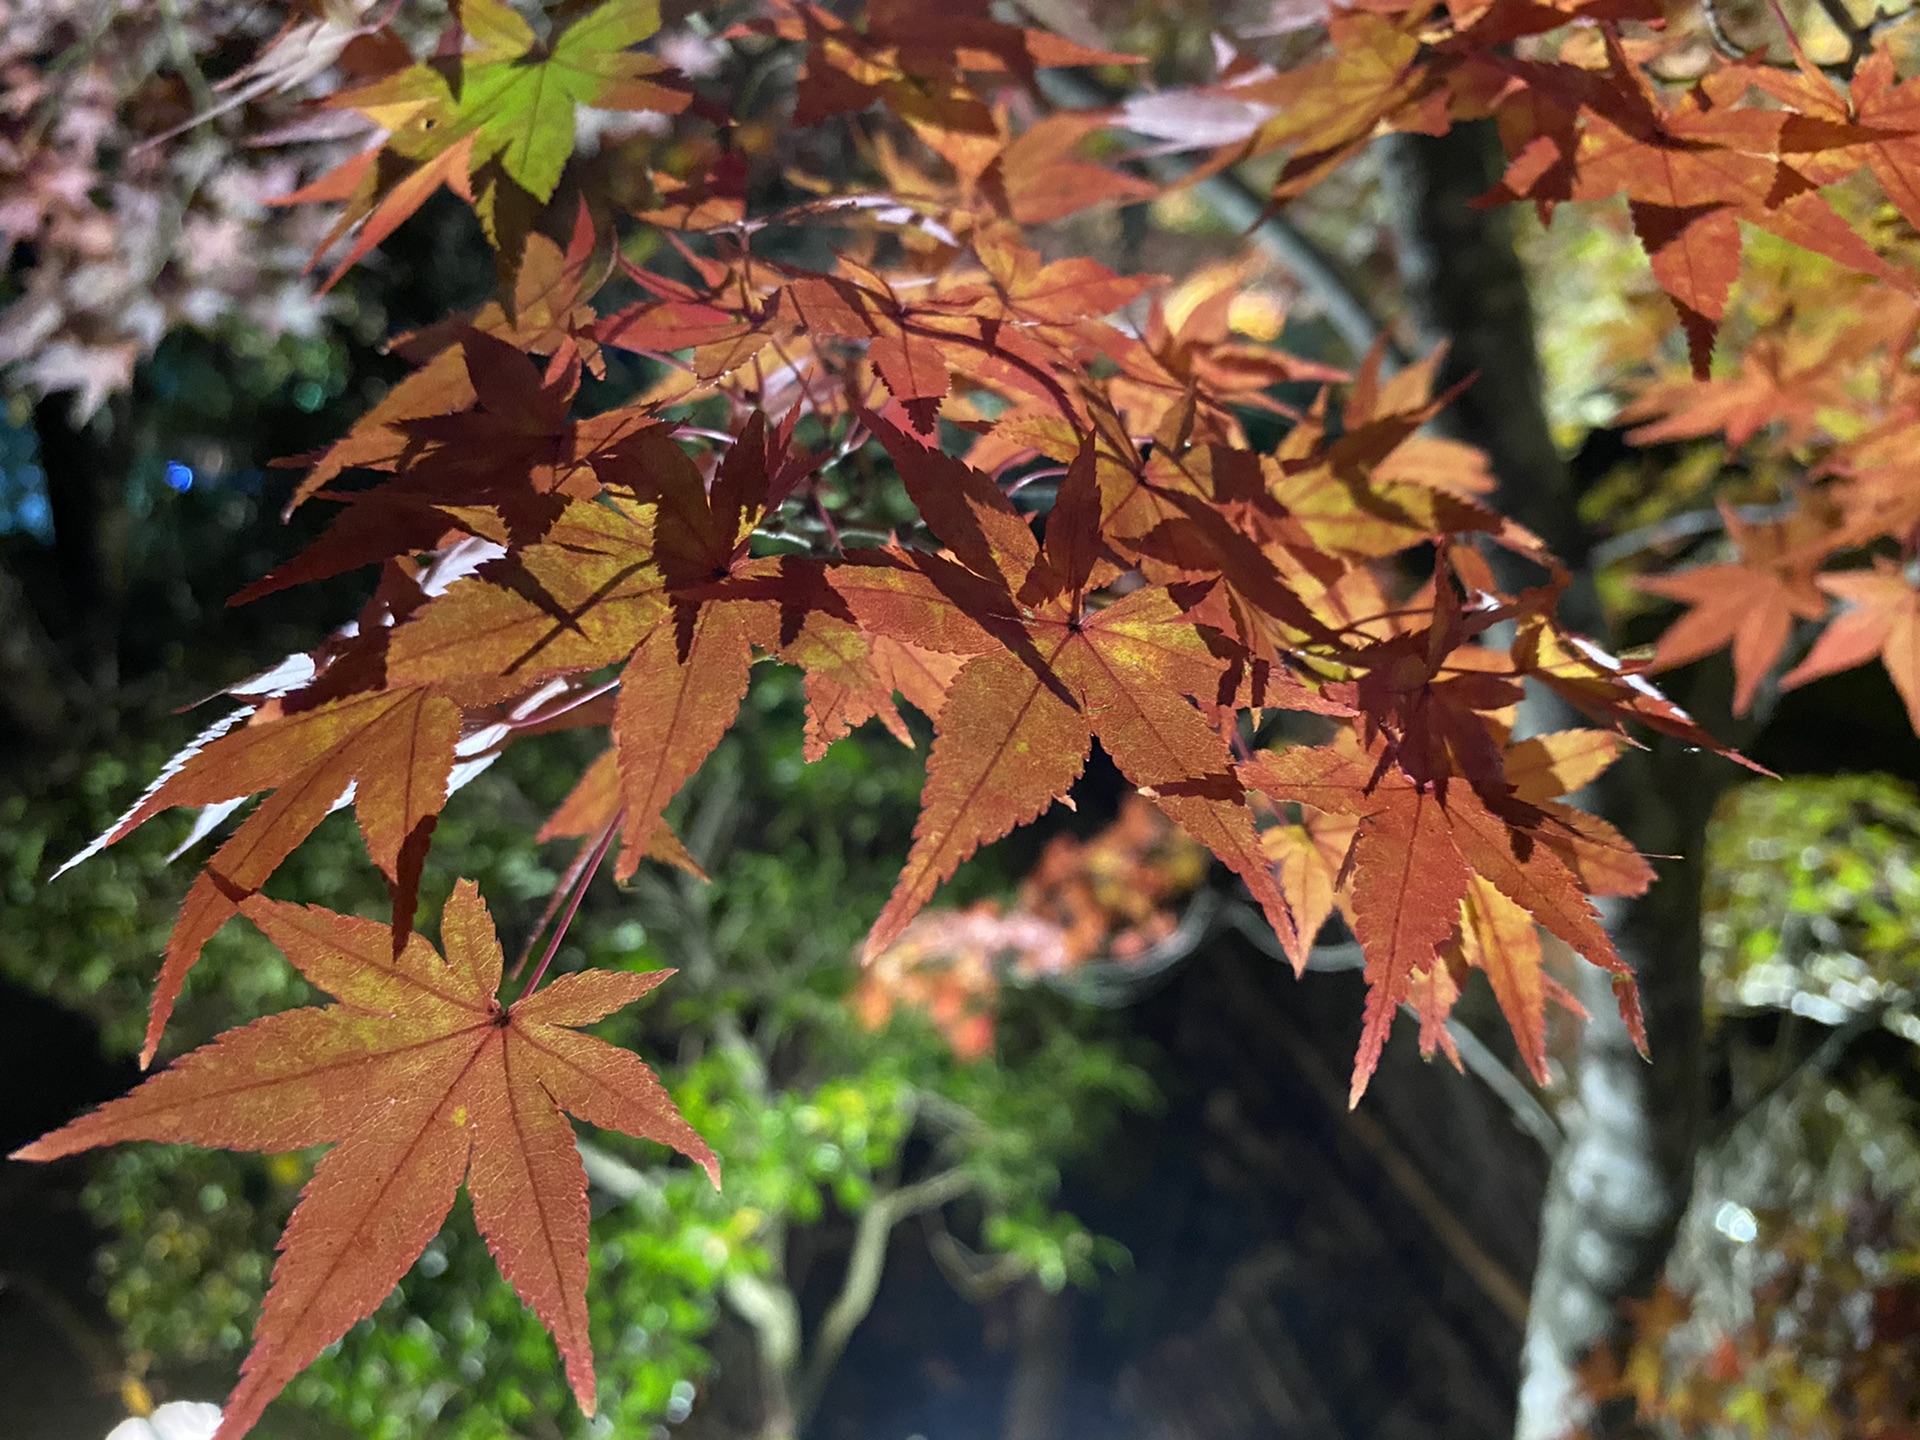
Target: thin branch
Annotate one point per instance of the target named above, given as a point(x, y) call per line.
point(862, 1280)
point(1525, 1108)
point(1493, 1278)
point(1688, 525)
point(72, 1326)
point(1819, 1062)
point(1717, 32)
point(570, 881)
point(972, 1274)
point(770, 1308)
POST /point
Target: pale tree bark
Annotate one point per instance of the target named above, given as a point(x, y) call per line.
point(1043, 1356)
point(1621, 1181)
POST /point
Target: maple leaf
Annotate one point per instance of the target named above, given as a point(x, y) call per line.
point(684, 682)
point(1602, 686)
point(1882, 619)
point(582, 597)
point(1021, 714)
point(1414, 859)
point(1043, 179)
point(852, 677)
point(593, 807)
point(1498, 937)
point(1544, 766)
point(1691, 176)
point(1309, 858)
point(915, 59)
point(1751, 603)
point(665, 584)
point(1324, 111)
point(391, 751)
point(505, 109)
point(1884, 134)
point(419, 1077)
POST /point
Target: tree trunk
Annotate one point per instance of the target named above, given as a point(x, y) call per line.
point(32, 698)
point(86, 470)
point(1620, 1182)
point(1043, 1355)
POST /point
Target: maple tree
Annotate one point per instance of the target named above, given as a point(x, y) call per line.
point(1045, 503)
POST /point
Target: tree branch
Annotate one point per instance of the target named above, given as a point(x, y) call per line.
point(1500, 1287)
point(1245, 209)
point(861, 1284)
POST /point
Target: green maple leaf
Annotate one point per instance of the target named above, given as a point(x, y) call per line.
point(518, 110)
point(506, 102)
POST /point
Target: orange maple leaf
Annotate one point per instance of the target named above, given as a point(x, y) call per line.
point(1750, 603)
point(391, 751)
point(1883, 620)
point(421, 1077)
point(1413, 863)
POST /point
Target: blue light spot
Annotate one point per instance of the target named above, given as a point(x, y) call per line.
point(33, 514)
point(179, 477)
point(23, 499)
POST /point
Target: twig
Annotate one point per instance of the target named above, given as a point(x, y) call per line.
point(1818, 1062)
point(1717, 32)
point(770, 1308)
point(1527, 1111)
point(1687, 525)
point(73, 1327)
point(588, 871)
point(972, 1274)
point(1506, 1293)
point(862, 1280)
point(1244, 208)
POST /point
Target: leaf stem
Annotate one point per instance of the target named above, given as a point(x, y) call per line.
point(587, 872)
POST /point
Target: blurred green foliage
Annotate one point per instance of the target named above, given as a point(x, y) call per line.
point(1791, 1303)
point(1813, 901)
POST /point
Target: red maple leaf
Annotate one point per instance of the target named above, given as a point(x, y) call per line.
point(1750, 604)
point(1412, 864)
point(1048, 673)
point(421, 1077)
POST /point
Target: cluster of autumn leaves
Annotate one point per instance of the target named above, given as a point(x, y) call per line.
point(1300, 656)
